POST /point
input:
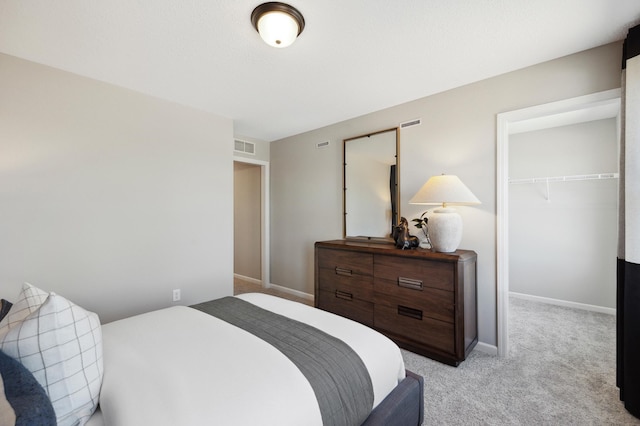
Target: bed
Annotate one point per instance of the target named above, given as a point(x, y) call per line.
point(250, 359)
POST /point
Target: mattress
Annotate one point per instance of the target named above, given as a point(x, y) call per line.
point(182, 366)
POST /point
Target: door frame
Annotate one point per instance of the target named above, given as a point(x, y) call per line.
point(265, 258)
point(507, 123)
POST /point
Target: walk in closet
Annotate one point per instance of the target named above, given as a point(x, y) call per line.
point(563, 184)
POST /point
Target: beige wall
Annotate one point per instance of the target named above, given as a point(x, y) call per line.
point(247, 220)
point(457, 136)
point(109, 197)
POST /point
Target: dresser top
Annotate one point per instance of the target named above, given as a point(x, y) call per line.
point(391, 250)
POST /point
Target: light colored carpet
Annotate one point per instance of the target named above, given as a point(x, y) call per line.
point(561, 371)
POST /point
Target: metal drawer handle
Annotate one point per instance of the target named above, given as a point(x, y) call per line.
point(344, 295)
point(344, 271)
point(409, 312)
point(410, 283)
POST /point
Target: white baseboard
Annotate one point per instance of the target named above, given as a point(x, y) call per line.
point(565, 303)
point(290, 291)
point(248, 279)
point(486, 348)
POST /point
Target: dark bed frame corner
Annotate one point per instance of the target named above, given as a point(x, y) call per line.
point(404, 406)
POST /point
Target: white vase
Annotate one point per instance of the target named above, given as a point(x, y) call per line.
point(445, 229)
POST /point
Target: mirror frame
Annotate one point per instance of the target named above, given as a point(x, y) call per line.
point(344, 188)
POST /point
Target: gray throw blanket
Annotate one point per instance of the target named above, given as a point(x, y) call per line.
point(336, 373)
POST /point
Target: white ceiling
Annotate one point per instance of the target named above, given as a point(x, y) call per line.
point(354, 56)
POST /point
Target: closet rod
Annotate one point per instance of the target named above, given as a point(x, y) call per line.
point(566, 178)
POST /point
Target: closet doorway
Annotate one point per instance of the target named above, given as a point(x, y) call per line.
point(251, 220)
point(563, 215)
point(584, 109)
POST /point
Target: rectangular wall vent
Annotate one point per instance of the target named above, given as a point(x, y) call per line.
point(244, 146)
point(416, 122)
point(322, 144)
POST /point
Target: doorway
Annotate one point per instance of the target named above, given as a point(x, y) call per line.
point(251, 221)
point(581, 109)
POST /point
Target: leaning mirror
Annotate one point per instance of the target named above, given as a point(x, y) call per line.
point(371, 195)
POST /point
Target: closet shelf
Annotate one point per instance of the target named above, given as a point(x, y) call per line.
point(595, 176)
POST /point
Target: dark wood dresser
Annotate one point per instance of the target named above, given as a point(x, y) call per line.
point(422, 300)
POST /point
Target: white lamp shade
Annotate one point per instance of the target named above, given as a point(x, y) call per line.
point(444, 189)
point(278, 29)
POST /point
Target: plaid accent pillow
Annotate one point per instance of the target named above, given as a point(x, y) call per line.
point(61, 344)
point(29, 300)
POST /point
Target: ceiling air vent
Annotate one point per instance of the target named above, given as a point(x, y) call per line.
point(322, 144)
point(244, 146)
point(416, 122)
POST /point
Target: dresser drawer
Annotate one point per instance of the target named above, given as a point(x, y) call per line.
point(411, 324)
point(347, 263)
point(434, 303)
point(349, 307)
point(423, 273)
point(358, 286)
point(425, 301)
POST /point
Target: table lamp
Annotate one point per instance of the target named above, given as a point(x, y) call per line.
point(444, 224)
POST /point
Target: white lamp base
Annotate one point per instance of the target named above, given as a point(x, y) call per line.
point(445, 229)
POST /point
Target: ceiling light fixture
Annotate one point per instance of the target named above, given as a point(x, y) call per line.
point(277, 23)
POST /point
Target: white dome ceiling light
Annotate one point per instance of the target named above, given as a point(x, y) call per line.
point(277, 23)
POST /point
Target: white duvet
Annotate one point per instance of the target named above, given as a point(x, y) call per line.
point(180, 366)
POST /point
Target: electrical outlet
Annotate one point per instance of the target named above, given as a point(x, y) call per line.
point(176, 295)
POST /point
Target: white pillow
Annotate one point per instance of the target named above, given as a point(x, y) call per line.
point(29, 299)
point(61, 344)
